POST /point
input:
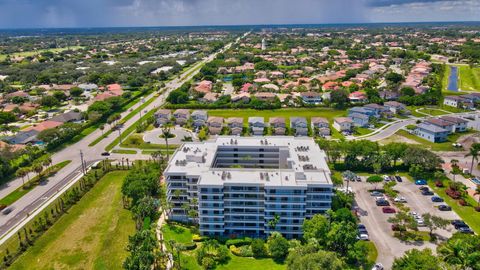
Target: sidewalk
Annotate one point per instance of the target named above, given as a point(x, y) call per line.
point(158, 230)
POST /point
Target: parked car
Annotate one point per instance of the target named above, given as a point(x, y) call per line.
point(388, 210)
point(392, 178)
point(423, 188)
point(378, 266)
point(460, 224)
point(382, 203)
point(420, 182)
point(358, 178)
point(362, 231)
point(444, 207)
point(376, 193)
point(386, 178)
point(427, 193)
point(363, 236)
point(465, 230)
point(400, 199)
point(436, 199)
point(105, 154)
point(398, 178)
point(361, 226)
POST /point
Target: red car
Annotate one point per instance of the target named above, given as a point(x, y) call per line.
point(388, 210)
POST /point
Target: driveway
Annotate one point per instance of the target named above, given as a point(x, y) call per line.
point(379, 228)
point(153, 136)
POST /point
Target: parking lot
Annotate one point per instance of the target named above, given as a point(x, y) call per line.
point(379, 228)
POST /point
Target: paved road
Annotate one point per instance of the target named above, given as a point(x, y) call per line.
point(39, 194)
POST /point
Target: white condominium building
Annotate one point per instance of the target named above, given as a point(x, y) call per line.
point(240, 184)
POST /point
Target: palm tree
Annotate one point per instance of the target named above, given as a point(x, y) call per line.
point(102, 127)
point(22, 172)
point(166, 133)
point(474, 152)
point(38, 168)
point(477, 192)
point(454, 162)
point(47, 161)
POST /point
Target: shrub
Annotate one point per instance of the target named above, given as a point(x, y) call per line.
point(190, 246)
point(438, 183)
point(258, 248)
point(197, 238)
point(454, 194)
point(462, 202)
point(239, 242)
point(477, 208)
point(235, 251)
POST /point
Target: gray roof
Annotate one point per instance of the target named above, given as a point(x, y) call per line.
point(256, 119)
point(431, 128)
point(359, 115)
point(24, 137)
point(298, 120)
point(67, 117)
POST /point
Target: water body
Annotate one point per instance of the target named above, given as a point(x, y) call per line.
point(453, 79)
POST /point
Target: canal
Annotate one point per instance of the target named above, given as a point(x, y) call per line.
point(453, 79)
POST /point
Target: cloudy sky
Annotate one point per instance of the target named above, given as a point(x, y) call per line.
point(91, 13)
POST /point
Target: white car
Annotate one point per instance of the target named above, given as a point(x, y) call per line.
point(379, 198)
point(378, 266)
point(386, 178)
point(363, 237)
point(400, 199)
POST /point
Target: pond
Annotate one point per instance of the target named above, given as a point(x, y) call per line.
point(453, 79)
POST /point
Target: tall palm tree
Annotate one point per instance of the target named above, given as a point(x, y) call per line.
point(474, 152)
point(38, 168)
point(21, 172)
point(166, 133)
point(47, 161)
point(477, 192)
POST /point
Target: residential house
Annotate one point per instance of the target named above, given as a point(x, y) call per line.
point(376, 109)
point(256, 125)
point(343, 124)
point(449, 126)
point(358, 97)
point(241, 97)
point(278, 125)
point(67, 117)
point(320, 126)
point(215, 125)
point(181, 116)
point(204, 87)
point(235, 124)
point(24, 137)
point(209, 98)
point(48, 124)
point(199, 118)
point(312, 98)
point(396, 107)
point(162, 117)
point(300, 125)
point(431, 132)
point(88, 87)
point(359, 120)
point(460, 125)
point(361, 110)
point(458, 102)
point(265, 96)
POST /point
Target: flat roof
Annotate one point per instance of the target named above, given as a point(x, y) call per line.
point(307, 163)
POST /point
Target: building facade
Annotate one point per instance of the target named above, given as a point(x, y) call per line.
point(239, 184)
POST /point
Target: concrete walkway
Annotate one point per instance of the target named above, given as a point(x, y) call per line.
point(158, 230)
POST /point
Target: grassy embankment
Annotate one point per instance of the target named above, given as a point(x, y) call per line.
point(92, 235)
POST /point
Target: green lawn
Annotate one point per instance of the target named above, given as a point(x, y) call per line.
point(32, 53)
point(444, 146)
point(92, 235)
point(19, 192)
point(433, 112)
point(469, 78)
point(123, 151)
point(182, 234)
point(136, 141)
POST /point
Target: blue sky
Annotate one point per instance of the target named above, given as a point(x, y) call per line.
point(91, 13)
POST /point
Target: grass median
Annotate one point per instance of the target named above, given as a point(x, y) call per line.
point(19, 192)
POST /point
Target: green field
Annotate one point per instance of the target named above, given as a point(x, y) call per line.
point(124, 151)
point(433, 112)
point(92, 235)
point(469, 78)
point(32, 53)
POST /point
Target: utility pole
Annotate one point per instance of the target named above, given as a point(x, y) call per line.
point(83, 163)
point(120, 136)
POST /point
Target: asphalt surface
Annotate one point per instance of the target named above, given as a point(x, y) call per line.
point(33, 199)
point(379, 228)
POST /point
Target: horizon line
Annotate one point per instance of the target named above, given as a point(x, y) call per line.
point(239, 25)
